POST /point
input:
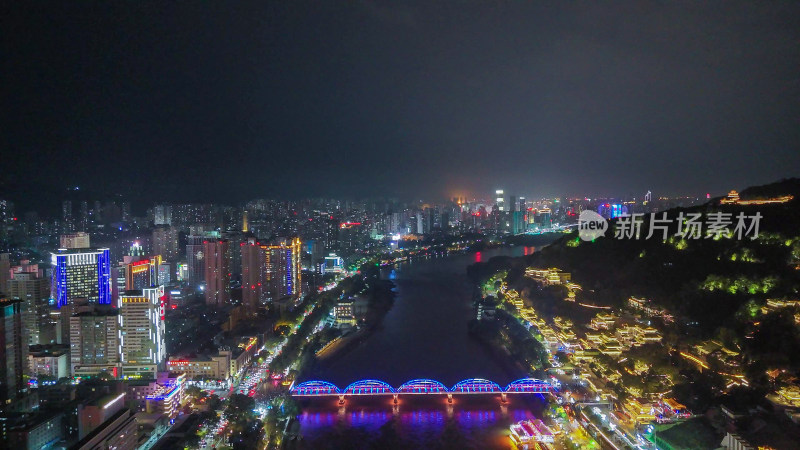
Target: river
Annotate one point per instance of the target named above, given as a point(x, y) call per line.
point(424, 335)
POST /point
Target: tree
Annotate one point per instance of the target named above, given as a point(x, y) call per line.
point(192, 440)
point(193, 392)
point(240, 408)
point(105, 376)
point(214, 402)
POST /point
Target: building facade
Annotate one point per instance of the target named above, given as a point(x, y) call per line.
point(81, 273)
point(217, 271)
point(13, 350)
point(34, 292)
point(165, 242)
point(93, 342)
point(141, 332)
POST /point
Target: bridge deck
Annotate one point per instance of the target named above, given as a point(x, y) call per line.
point(470, 386)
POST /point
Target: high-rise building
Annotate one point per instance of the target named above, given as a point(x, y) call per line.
point(500, 199)
point(94, 341)
point(96, 213)
point(165, 242)
point(80, 276)
point(6, 218)
point(141, 273)
point(5, 269)
point(217, 271)
point(544, 218)
point(165, 273)
point(34, 292)
point(83, 224)
point(235, 240)
point(66, 216)
point(195, 259)
point(126, 211)
point(254, 275)
point(518, 224)
point(283, 259)
point(74, 240)
point(162, 215)
point(270, 271)
point(13, 350)
point(332, 234)
point(81, 273)
point(141, 332)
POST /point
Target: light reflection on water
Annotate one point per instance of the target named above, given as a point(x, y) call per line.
point(473, 422)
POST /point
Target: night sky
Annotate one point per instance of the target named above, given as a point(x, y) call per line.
point(234, 100)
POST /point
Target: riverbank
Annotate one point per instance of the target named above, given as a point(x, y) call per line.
point(380, 303)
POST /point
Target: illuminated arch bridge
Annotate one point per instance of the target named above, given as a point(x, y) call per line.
point(422, 386)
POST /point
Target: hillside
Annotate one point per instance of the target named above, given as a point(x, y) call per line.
point(704, 281)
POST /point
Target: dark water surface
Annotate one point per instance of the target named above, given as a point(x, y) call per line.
point(423, 336)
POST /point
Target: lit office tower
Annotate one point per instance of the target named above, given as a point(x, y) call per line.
point(195, 259)
point(283, 267)
point(141, 332)
point(94, 341)
point(165, 242)
point(13, 351)
point(218, 271)
point(500, 198)
point(34, 292)
point(81, 274)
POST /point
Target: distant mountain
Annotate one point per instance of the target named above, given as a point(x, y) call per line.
point(788, 186)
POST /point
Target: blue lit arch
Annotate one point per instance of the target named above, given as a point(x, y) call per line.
point(315, 387)
point(365, 387)
point(422, 386)
point(529, 385)
point(474, 385)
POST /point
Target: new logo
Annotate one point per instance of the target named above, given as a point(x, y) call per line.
point(591, 225)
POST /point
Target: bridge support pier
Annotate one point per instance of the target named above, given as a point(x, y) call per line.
point(450, 398)
point(394, 398)
point(503, 398)
point(341, 400)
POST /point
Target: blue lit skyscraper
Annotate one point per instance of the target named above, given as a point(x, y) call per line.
point(81, 274)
